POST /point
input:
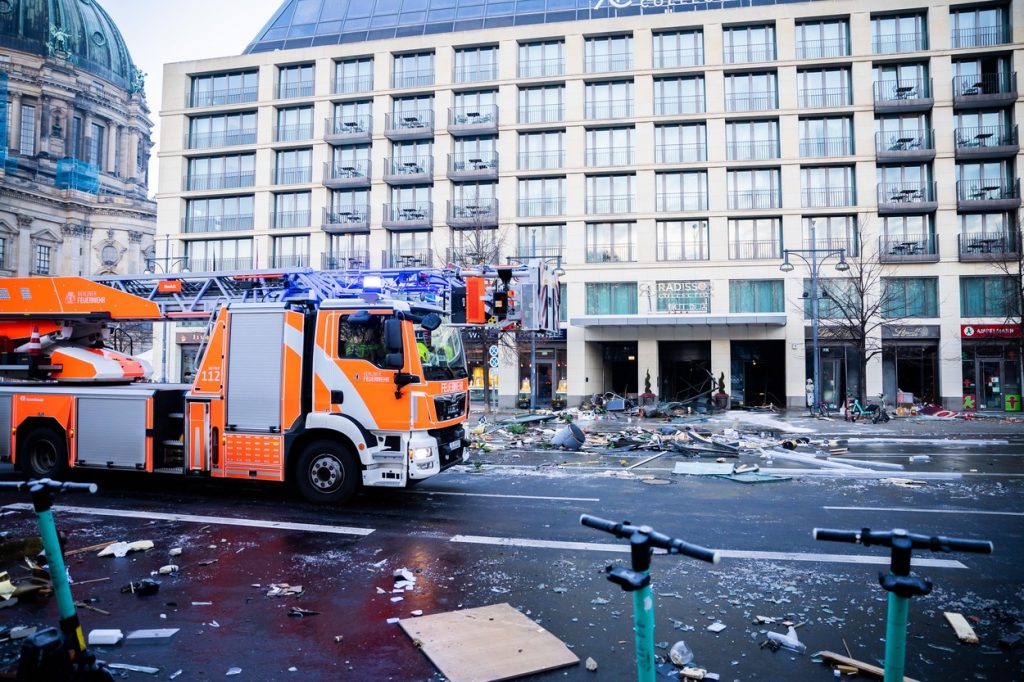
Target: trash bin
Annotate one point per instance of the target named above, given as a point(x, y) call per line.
point(570, 438)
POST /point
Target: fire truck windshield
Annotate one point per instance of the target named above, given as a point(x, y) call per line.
point(441, 353)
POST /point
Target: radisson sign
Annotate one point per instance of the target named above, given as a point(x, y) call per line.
point(622, 4)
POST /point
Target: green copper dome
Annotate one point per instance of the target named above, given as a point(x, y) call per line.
point(79, 31)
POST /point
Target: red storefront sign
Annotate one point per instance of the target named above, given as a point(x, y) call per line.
point(989, 331)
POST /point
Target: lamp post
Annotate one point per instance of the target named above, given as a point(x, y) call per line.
point(814, 258)
point(166, 265)
point(557, 262)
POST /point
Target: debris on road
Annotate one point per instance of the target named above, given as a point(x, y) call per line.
point(122, 549)
point(716, 627)
point(174, 551)
point(284, 590)
point(861, 666)
point(151, 636)
point(104, 637)
point(680, 654)
point(142, 588)
point(591, 664)
point(790, 640)
point(233, 671)
point(168, 569)
point(297, 612)
point(149, 670)
point(964, 632)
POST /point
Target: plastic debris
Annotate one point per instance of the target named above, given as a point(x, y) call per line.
point(788, 641)
point(168, 569)
point(716, 627)
point(591, 664)
point(121, 549)
point(104, 637)
point(7, 588)
point(297, 612)
point(680, 654)
point(174, 551)
point(284, 590)
point(142, 588)
point(177, 673)
point(233, 671)
point(149, 670)
point(150, 636)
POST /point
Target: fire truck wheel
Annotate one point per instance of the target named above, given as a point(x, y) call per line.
point(327, 473)
point(44, 454)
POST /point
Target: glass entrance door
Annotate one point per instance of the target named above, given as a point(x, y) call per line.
point(831, 382)
point(990, 388)
point(545, 382)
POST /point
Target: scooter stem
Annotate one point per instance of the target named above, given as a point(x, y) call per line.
point(69, 624)
point(643, 628)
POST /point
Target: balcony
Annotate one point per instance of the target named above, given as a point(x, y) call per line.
point(352, 130)
point(680, 57)
point(752, 150)
point(476, 166)
point(534, 208)
point(524, 252)
point(409, 216)
point(824, 147)
point(296, 89)
point(986, 90)
point(689, 152)
point(610, 109)
point(289, 260)
point(991, 194)
point(283, 220)
point(409, 170)
point(347, 174)
point(408, 258)
point(755, 199)
point(983, 247)
point(475, 120)
point(849, 245)
point(346, 220)
point(200, 183)
point(679, 251)
point(473, 74)
point(220, 138)
point(980, 36)
point(293, 175)
point(612, 204)
point(825, 98)
point(610, 156)
point(923, 248)
point(753, 52)
point(899, 42)
point(621, 61)
point(353, 84)
point(412, 125)
point(823, 48)
point(293, 132)
point(678, 105)
point(472, 214)
point(542, 113)
point(988, 142)
point(903, 96)
point(895, 198)
point(351, 260)
point(758, 101)
point(906, 146)
point(218, 223)
point(610, 253)
point(226, 96)
point(215, 264)
point(760, 249)
point(545, 160)
point(678, 202)
point(413, 78)
point(540, 68)
point(828, 197)
point(484, 253)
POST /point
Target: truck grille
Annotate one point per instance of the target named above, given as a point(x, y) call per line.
point(450, 444)
point(450, 406)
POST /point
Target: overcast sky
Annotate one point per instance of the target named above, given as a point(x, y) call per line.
point(159, 32)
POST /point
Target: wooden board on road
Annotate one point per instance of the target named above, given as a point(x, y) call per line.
point(487, 644)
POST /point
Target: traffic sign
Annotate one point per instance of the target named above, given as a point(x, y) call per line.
point(493, 351)
point(493, 363)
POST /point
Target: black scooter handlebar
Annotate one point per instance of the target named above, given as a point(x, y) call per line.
point(935, 543)
point(36, 485)
point(627, 531)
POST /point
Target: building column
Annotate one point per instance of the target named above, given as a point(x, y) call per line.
point(110, 163)
point(86, 135)
point(37, 133)
point(647, 360)
point(14, 123)
point(24, 245)
point(43, 132)
point(721, 360)
point(508, 370)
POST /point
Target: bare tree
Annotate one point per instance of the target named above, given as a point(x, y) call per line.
point(1012, 268)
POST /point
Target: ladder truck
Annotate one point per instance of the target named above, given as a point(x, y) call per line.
point(328, 380)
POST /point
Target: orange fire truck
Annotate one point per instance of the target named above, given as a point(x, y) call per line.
point(328, 380)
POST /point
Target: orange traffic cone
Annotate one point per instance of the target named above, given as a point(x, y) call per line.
point(34, 347)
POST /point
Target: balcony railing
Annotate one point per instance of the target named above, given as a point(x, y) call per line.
point(980, 36)
point(409, 214)
point(762, 249)
point(346, 260)
point(470, 213)
point(478, 165)
point(289, 219)
point(672, 251)
point(357, 170)
point(755, 199)
point(823, 98)
point(479, 119)
point(218, 223)
point(289, 260)
point(683, 56)
point(484, 252)
point(987, 247)
point(212, 98)
point(752, 52)
point(682, 104)
point(985, 87)
point(622, 61)
point(542, 113)
point(904, 144)
point(989, 191)
point(471, 74)
point(912, 197)
point(609, 253)
point(610, 156)
point(906, 90)
point(541, 207)
point(541, 160)
point(536, 68)
point(409, 125)
point(987, 141)
point(414, 78)
point(849, 245)
point(827, 146)
point(293, 132)
point(347, 219)
point(293, 175)
point(760, 101)
point(899, 42)
point(409, 258)
point(828, 197)
point(221, 138)
point(681, 201)
point(524, 251)
point(408, 169)
point(752, 150)
point(197, 183)
point(297, 89)
point(215, 264)
point(610, 109)
point(919, 248)
point(348, 129)
point(343, 85)
point(689, 152)
point(610, 204)
point(823, 48)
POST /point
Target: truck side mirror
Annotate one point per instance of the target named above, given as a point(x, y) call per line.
point(431, 321)
point(393, 336)
point(394, 361)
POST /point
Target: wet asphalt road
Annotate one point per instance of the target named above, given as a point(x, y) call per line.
point(538, 497)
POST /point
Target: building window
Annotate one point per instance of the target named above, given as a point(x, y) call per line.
point(219, 254)
point(608, 53)
point(610, 242)
point(682, 240)
point(899, 33)
point(752, 140)
point(353, 75)
point(822, 38)
point(109, 255)
point(475, 64)
point(992, 296)
point(76, 138)
point(674, 49)
point(291, 252)
point(748, 44)
point(541, 150)
point(680, 143)
point(224, 88)
point(979, 27)
point(754, 189)
point(988, 75)
point(838, 299)
point(546, 58)
point(3, 254)
point(832, 232)
point(988, 233)
point(41, 266)
point(545, 241)
point(905, 183)
point(827, 186)
point(479, 108)
point(541, 197)
point(756, 296)
point(542, 104)
point(905, 229)
point(910, 297)
point(822, 88)
point(97, 147)
point(27, 134)
point(985, 180)
point(295, 81)
point(832, 136)
point(223, 130)
point(219, 214)
point(410, 248)
point(294, 123)
point(291, 209)
point(610, 194)
point(751, 92)
point(612, 99)
point(755, 238)
point(346, 251)
point(351, 207)
point(413, 70)
point(612, 298)
point(898, 82)
point(682, 191)
point(563, 302)
point(674, 96)
point(609, 147)
point(903, 133)
point(221, 172)
point(293, 166)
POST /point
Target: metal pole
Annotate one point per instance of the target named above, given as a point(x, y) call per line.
point(533, 337)
point(166, 350)
point(814, 318)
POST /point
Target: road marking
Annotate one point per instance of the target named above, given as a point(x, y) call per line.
point(216, 520)
point(725, 553)
point(514, 497)
point(927, 511)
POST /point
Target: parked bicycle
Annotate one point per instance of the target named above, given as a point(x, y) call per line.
point(876, 412)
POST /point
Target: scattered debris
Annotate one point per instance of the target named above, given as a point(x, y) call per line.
point(168, 569)
point(964, 632)
point(142, 588)
point(788, 641)
point(22, 631)
point(297, 612)
point(233, 671)
point(14, 550)
point(284, 590)
point(338, 639)
point(591, 664)
point(121, 549)
point(174, 551)
point(417, 612)
point(7, 588)
point(134, 668)
point(717, 627)
point(150, 636)
point(202, 603)
point(904, 482)
point(175, 674)
point(90, 607)
point(853, 663)
point(680, 654)
point(104, 637)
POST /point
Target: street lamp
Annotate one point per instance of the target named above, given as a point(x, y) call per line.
point(814, 258)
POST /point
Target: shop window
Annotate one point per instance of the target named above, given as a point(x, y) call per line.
point(989, 297)
point(910, 297)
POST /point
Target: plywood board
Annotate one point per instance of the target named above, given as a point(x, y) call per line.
point(964, 632)
point(487, 644)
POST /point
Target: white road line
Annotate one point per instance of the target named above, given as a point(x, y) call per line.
point(513, 497)
point(215, 520)
point(927, 511)
point(726, 553)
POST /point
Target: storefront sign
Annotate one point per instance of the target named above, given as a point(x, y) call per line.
point(1011, 402)
point(684, 297)
point(186, 338)
point(647, 4)
point(912, 331)
point(989, 331)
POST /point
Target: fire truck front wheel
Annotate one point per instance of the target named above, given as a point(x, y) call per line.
point(326, 473)
point(44, 454)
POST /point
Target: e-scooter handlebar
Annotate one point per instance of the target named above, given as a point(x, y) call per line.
point(935, 543)
point(37, 485)
point(627, 531)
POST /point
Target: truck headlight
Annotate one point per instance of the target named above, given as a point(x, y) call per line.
point(419, 453)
